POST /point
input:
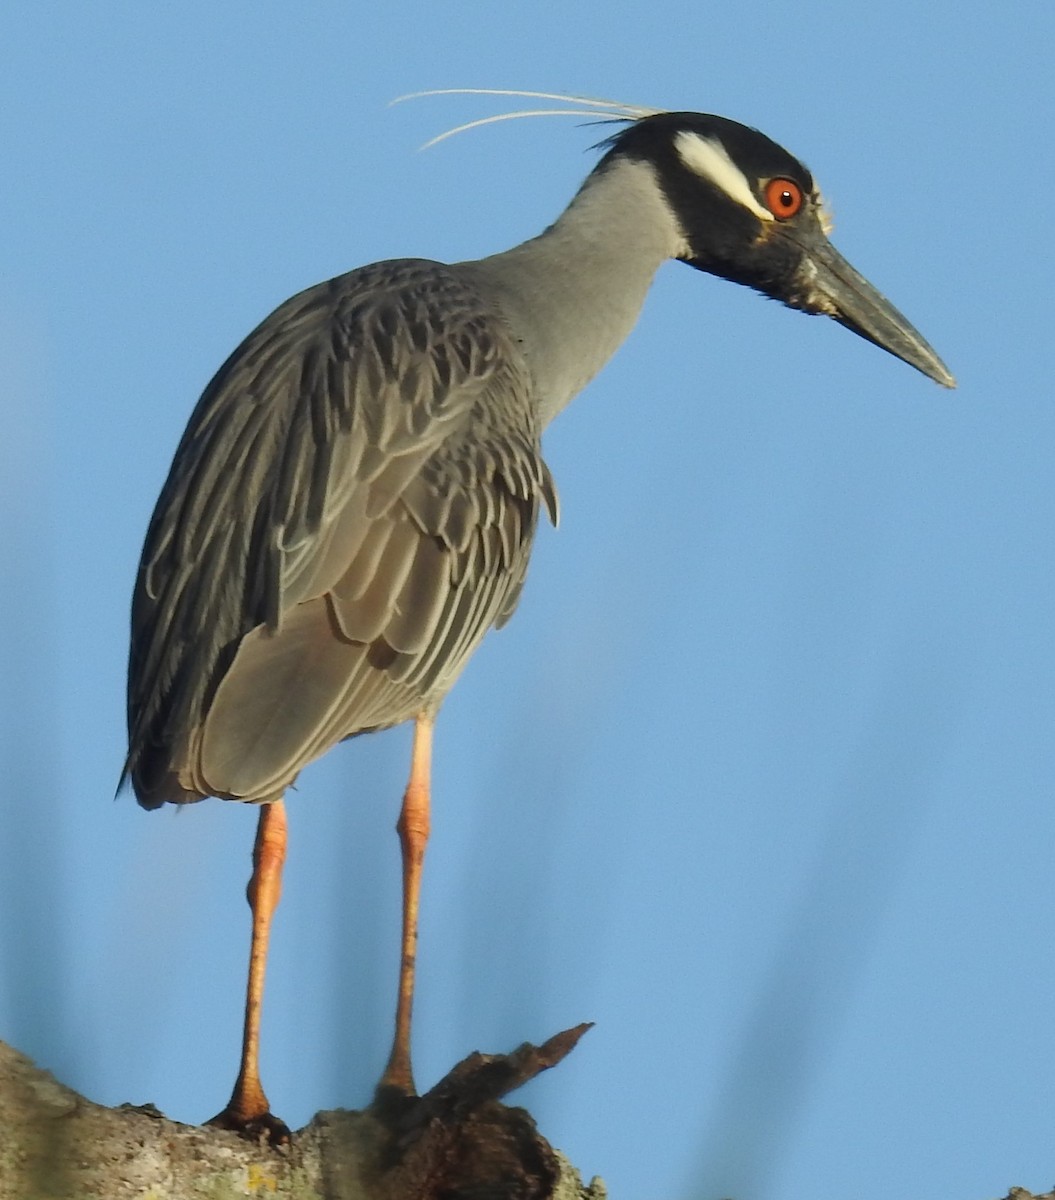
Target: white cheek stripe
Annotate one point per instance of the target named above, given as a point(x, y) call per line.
point(709, 158)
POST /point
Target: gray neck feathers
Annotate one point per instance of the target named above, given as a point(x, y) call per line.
point(572, 294)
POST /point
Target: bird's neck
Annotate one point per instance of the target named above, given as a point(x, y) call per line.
point(573, 293)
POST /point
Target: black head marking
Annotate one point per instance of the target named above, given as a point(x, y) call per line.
point(713, 174)
point(654, 138)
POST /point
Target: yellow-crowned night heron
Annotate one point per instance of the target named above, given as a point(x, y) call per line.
point(353, 502)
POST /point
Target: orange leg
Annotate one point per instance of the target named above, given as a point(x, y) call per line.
point(247, 1110)
point(413, 829)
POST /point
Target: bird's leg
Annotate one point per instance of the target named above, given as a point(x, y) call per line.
point(247, 1111)
point(413, 829)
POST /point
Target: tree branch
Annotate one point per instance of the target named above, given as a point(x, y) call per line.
point(456, 1141)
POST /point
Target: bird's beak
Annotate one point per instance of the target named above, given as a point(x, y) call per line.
point(828, 284)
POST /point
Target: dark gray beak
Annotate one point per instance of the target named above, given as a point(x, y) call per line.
point(828, 284)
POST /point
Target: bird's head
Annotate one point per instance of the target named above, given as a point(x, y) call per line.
point(746, 209)
point(750, 212)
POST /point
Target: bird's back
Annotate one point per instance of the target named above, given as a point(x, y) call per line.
point(350, 509)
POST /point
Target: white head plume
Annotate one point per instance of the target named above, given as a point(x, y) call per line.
point(598, 109)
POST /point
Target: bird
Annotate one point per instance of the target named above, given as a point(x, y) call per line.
point(353, 503)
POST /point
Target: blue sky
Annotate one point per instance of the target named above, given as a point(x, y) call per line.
point(759, 778)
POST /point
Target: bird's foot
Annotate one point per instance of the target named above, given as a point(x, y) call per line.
point(260, 1127)
point(395, 1094)
point(393, 1102)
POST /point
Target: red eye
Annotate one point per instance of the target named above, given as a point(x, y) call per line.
point(783, 198)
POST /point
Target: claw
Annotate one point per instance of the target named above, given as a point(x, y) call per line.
point(264, 1127)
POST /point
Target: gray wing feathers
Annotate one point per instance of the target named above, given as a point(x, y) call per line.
point(349, 511)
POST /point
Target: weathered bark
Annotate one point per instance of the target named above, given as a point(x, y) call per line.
point(457, 1142)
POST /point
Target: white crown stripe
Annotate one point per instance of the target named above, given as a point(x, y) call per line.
point(710, 159)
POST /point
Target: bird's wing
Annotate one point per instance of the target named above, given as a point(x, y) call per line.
point(350, 508)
